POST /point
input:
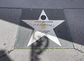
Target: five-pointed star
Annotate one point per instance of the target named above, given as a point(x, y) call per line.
point(43, 28)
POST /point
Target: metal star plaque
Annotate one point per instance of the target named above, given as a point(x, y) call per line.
point(43, 28)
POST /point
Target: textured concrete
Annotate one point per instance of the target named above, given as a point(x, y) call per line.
point(9, 19)
point(42, 3)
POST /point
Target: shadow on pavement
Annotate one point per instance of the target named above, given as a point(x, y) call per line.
point(38, 47)
point(12, 16)
point(4, 56)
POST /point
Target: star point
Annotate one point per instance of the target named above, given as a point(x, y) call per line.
point(43, 28)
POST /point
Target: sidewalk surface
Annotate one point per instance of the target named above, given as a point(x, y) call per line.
point(10, 12)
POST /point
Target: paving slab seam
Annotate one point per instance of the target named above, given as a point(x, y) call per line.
point(79, 50)
point(36, 8)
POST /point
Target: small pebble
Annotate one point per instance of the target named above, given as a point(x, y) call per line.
point(4, 43)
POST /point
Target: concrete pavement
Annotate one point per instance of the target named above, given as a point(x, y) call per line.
point(9, 20)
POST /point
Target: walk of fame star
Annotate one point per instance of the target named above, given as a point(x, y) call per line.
point(43, 27)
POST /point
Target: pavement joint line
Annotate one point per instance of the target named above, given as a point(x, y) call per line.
point(69, 30)
point(7, 52)
point(43, 48)
point(79, 50)
point(36, 8)
point(47, 48)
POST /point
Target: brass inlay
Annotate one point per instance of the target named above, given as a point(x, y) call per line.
point(42, 25)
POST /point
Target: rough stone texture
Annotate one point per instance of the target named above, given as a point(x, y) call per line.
point(42, 3)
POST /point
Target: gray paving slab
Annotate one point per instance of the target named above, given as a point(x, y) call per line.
point(61, 31)
point(8, 31)
point(42, 3)
point(75, 18)
point(9, 19)
point(46, 55)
